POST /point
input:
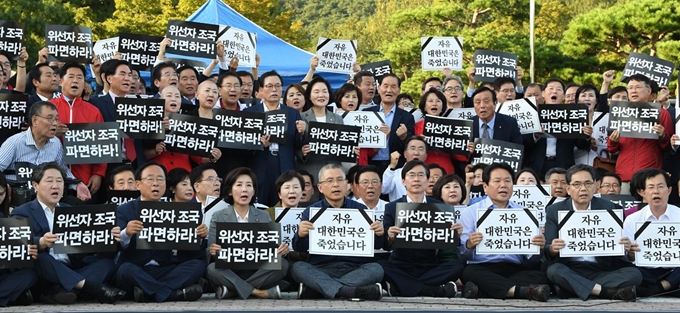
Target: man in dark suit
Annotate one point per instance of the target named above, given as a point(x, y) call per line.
point(154, 273)
point(276, 158)
point(416, 272)
point(45, 82)
point(401, 122)
point(603, 277)
point(489, 124)
point(542, 153)
point(66, 273)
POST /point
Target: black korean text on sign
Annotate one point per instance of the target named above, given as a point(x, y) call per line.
point(333, 141)
point(248, 246)
point(120, 197)
point(192, 135)
point(659, 244)
point(635, 119)
point(656, 69)
point(139, 50)
point(591, 233)
point(289, 219)
point(336, 56)
point(507, 231)
point(169, 225)
point(378, 69)
point(490, 65)
point(437, 53)
point(84, 229)
point(69, 43)
point(564, 120)
point(490, 151)
point(11, 38)
point(92, 143)
point(192, 39)
point(448, 135)
point(239, 44)
point(141, 118)
point(524, 111)
point(625, 201)
point(425, 226)
point(240, 130)
point(15, 237)
point(13, 112)
point(275, 126)
point(370, 122)
point(341, 232)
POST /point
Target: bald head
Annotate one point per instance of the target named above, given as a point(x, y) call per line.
point(207, 93)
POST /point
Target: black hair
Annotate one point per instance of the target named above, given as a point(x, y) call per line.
point(435, 165)
point(351, 173)
point(390, 75)
point(359, 76)
point(346, 88)
point(230, 180)
point(36, 72)
point(118, 170)
point(500, 81)
point(616, 90)
point(140, 170)
point(157, 73)
point(260, 80)
point(585, 88)
point(484, 89)
point(412, 138)
point(439, 185)
point(223, 76)
point(486, 176)
point(4, 205)
point(554, 170)
point(113, 67)
point(640, 78)
point(187, 67)
point(530, 171)
point(423, 100)
point(36, 108)
point(540, 86)
point(554, 79)
point(430, 80)
point(197, 172)
point(176, 176)
point(39, 171)
point(401, 96)
point(639, 180)
point(305, 173)
point(287, 176)
point(69, 65)
point(367, 169)
point(610, 174)
point(578, 168)
point(412, 164)
point(308, 92)
point(478, 166)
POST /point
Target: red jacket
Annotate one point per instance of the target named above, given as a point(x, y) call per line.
point(81, 112)
point(636, 154)
point(445, 160)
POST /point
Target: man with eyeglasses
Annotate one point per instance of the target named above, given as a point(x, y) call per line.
point(505, 89)
point(331, 277)
point(414, 149)
point(155, 275)
point(369, 188)
point(38, 144)
point(654, 186)
point(453, 90)
point(6, 68)
point(635, 153)
point(611, 184)
point(206, 183)
point(417, 272)
point(229, 89)
point(602, 277)
point(275, 158)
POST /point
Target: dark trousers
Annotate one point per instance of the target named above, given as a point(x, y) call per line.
point(14, 283)
point(411, 278)
point(653, 276)
point(58, 273)
point(581, 278)
point(495, 279)
point(267, 194)
point(160, 281)
point(547, 165)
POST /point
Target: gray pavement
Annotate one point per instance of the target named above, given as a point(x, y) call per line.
point(291, 304)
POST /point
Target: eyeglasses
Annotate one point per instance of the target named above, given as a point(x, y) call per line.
point(506, 90)
point(248, 84)
point(338, 180)
point(610, 186)
point(414, 149)
point(366, 183)
point(170, 74)
point(636, 88)
point(652, 187)
point(450, 89)
point(229, 86)
point(406, 103)
point(213, 179)
point(420, 175)
point(273, 87)
point(579, 184)
point(50, 119)
point(150, 180)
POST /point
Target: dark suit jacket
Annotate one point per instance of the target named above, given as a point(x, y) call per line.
point(129, 212)
point(551, 232)
point(400, 117)
point(505, 128)
point(406, 257)
point(534, 151)
point(34, 212)
point(106, 106)
point(294, 142)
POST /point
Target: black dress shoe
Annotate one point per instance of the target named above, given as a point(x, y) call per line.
point(625, 293)
point(110, 295)
point(539, 292)
point(23, 299)
point(58, 295)
point(139, 295)
point(190, 293)
point(470, 290)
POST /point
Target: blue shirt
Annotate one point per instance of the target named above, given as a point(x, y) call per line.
point(491, 123)
point(21, 148)
point(384, 153)
point(469, 220)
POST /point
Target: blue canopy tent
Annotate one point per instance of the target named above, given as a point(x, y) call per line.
point(291, 62)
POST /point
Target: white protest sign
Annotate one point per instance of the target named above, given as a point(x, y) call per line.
point(336, 55)
point(212, 208)
point(370, 122)
point(240, 44)
point(341, 232)
point(417, 115)
point(461, 113)
point(659, 244)
point(457, 211)
point(525, 112)
point(599, 124)
point(591, 233)
point(677, 125)
point(531, 197)
point(440, 52)
point(105, 49)
point(507, 231)
point(290, 219)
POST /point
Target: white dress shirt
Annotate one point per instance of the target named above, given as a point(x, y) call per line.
point(49, 215)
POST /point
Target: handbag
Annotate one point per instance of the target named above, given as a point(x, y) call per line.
point(605, 161)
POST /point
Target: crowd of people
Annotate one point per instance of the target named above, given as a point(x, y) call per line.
point(254, 182)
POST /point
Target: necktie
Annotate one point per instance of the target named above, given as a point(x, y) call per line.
point(485, 131)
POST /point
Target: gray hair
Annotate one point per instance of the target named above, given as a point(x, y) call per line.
point(450, 78)
point(328, 167)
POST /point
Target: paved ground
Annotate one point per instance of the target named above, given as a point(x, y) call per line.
point(290, 304)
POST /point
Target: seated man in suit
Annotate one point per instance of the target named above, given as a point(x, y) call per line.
point(122, 178)
point(603, 277)
point(488, 124)
point(654, 186)
point(416, 272)
point(333, 276)
point(154, 273)
point(401, 123)
point(542, 153)
point(498, 276)
point(65, 273)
